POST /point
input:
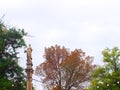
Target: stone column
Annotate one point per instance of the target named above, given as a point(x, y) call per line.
point(29, 70)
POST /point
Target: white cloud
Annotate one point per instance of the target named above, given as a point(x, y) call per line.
point(53, 34)
point(10, 3)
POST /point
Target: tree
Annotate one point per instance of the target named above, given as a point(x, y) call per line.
point(107, 77)
point(65, 70)
point(11, 74)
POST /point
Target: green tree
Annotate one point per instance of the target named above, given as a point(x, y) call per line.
point(11, 74)
point(107, 77)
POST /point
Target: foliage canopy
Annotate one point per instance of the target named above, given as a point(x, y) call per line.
point(107, 77)
point(11, 74)
point(64, 69)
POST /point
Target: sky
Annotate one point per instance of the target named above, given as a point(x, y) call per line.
point(90, 25)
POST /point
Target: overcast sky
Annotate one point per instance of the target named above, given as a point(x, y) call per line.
point(90, 25)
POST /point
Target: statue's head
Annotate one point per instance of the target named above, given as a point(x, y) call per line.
point(29, 45)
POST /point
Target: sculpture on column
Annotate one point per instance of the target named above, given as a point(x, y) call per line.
point(29, 69)
point(29, 54)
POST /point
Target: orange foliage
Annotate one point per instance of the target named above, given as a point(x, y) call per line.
point(64, 68)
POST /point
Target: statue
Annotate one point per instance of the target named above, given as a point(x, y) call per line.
point(29, 53)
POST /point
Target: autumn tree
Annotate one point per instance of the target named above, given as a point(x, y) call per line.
point(107, 77)
point(64, 69)
point(11, 74)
